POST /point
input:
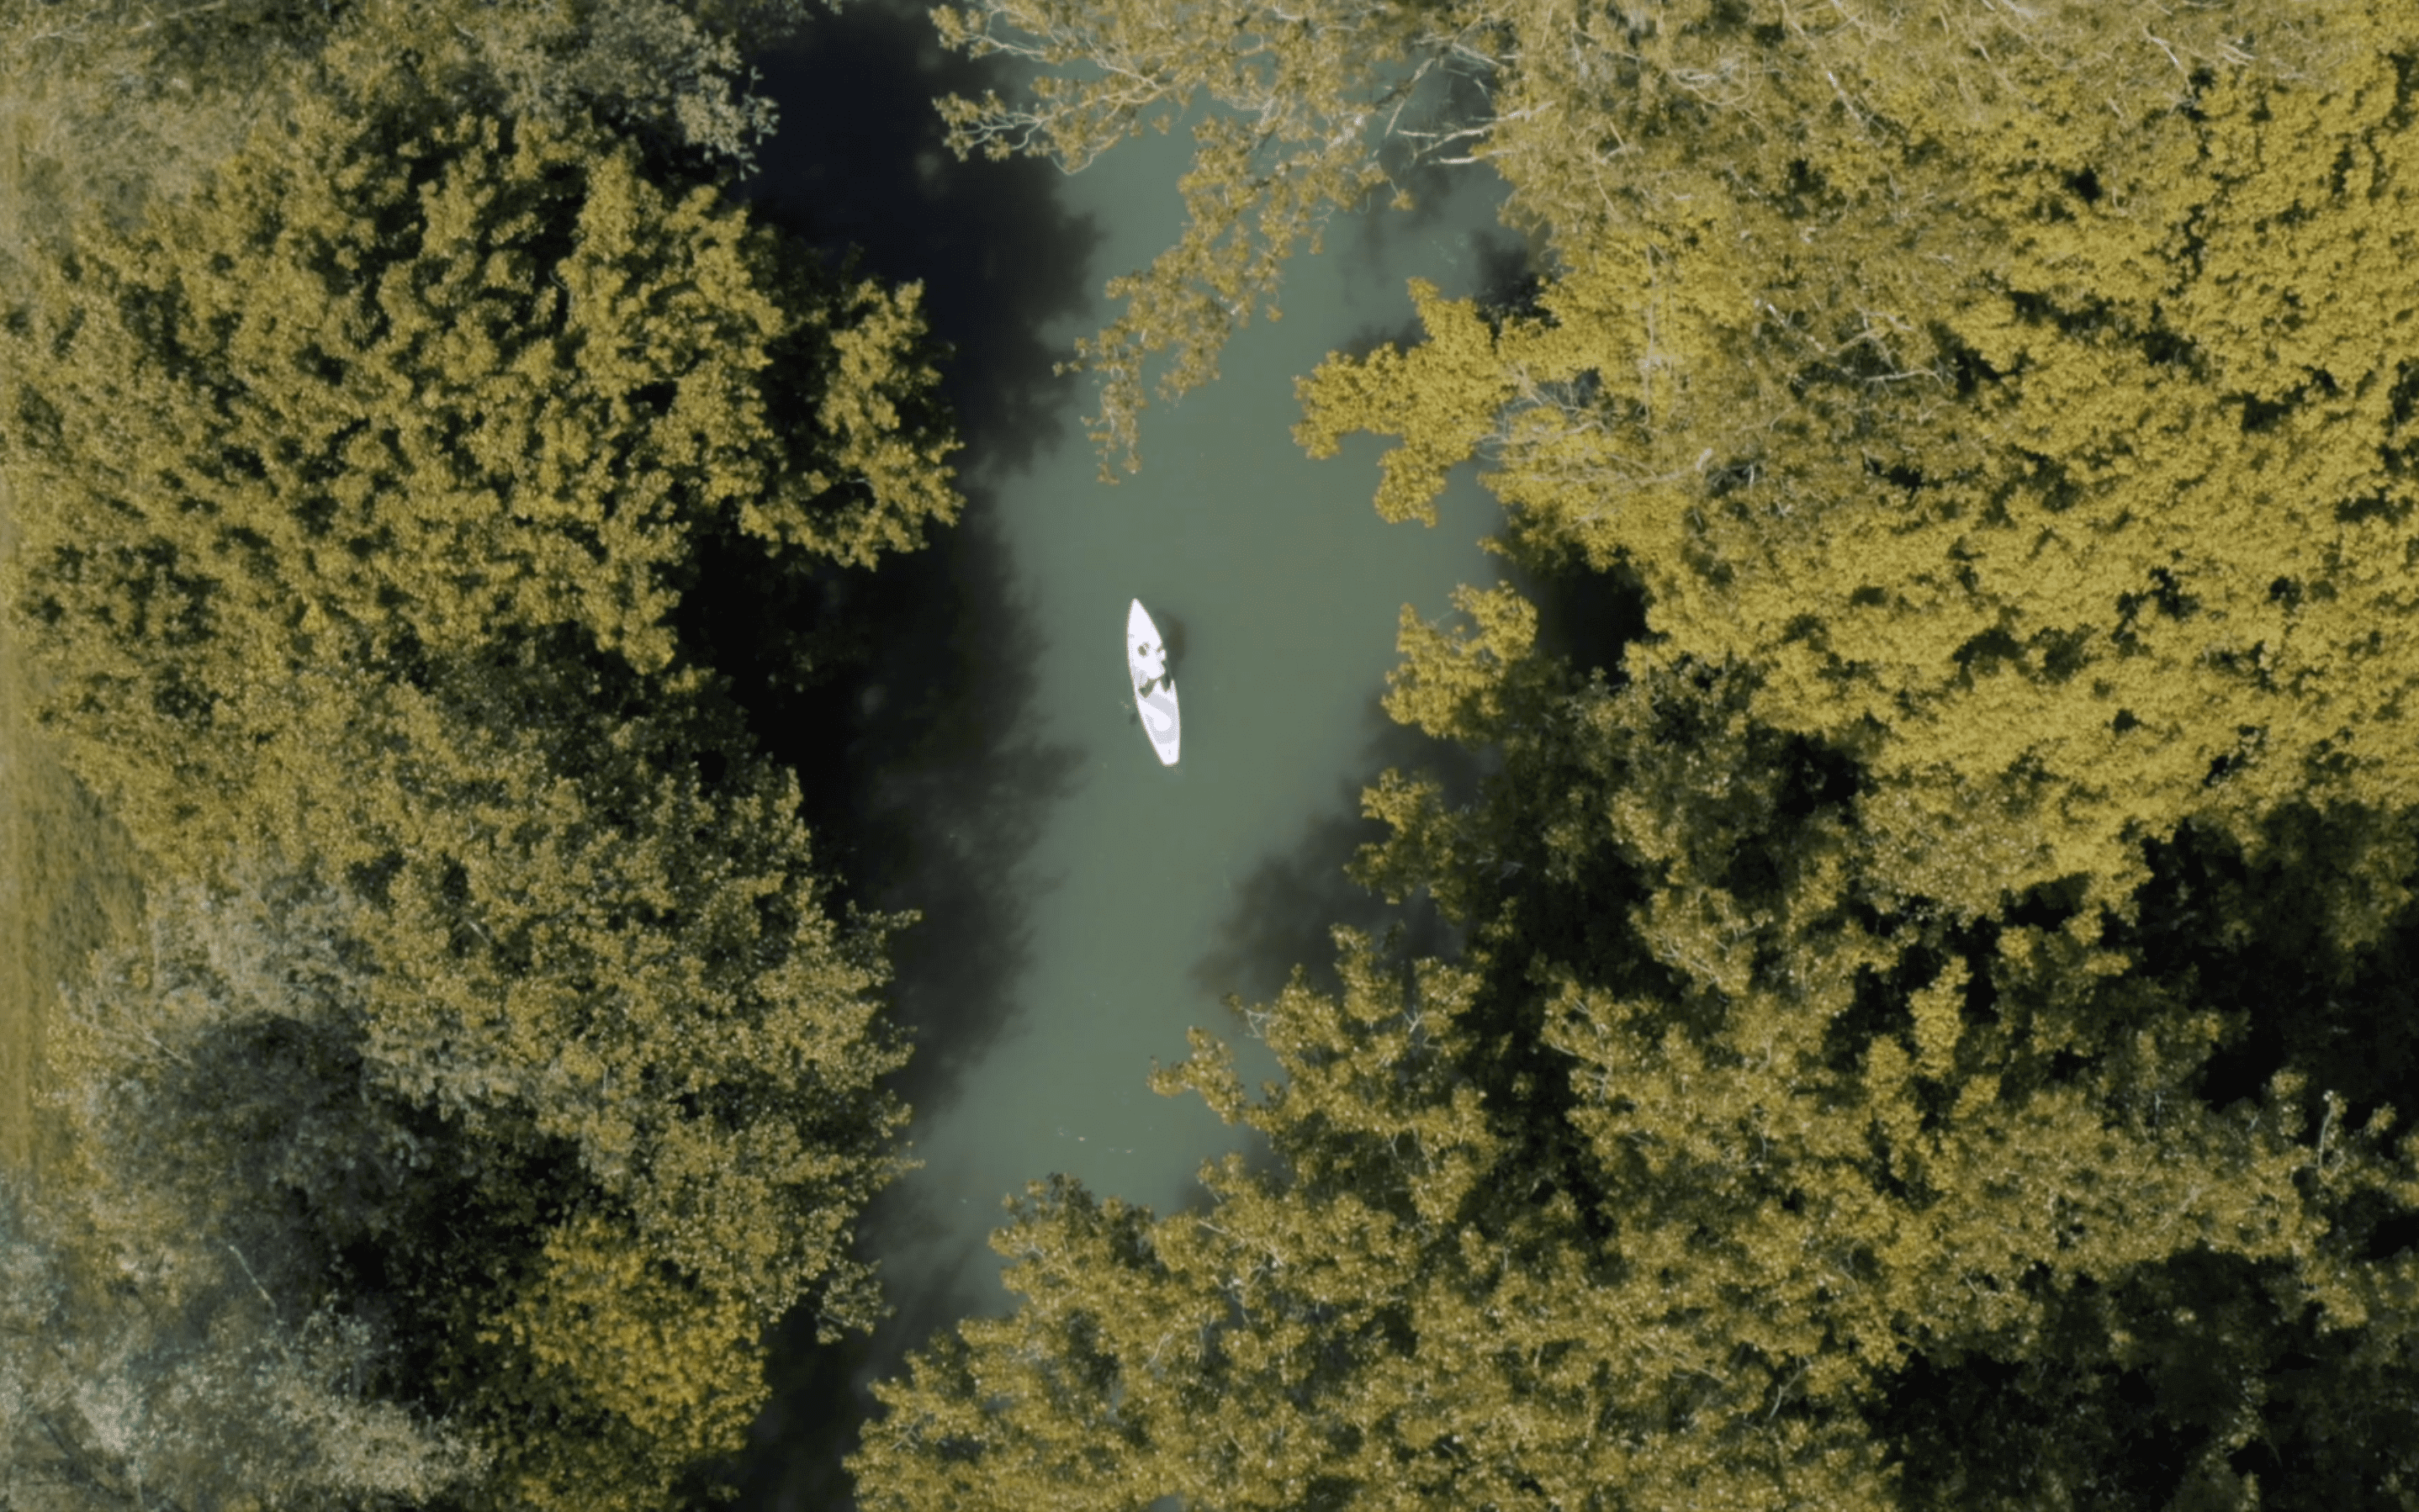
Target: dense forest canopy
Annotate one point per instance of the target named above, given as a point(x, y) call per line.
point(2064, 489)
point(388, 391)
point(1935, 1018)
point(496, 1069)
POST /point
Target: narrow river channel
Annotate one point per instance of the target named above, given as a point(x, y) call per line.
point(1082, 906)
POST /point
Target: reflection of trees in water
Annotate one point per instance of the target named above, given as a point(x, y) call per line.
point(899, 696)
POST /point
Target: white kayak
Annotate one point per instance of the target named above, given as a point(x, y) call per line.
point(1154, 690)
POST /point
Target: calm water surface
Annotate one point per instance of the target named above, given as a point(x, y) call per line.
point(1084, 905)
point(1280, 587)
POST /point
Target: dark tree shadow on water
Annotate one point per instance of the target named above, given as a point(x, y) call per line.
point(897, 693)
point(925, 793)
point(901, 696)
point(859, 161)
point(1586, 620)
point(1498, 268)
point(1284, 912)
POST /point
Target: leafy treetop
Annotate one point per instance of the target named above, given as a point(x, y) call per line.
point(2075, 503)
point(387, 390)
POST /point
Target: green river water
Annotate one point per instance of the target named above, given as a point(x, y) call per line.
point(1083, 905)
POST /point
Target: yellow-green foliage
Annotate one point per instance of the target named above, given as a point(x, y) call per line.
point(384, 392)
point(612, 955)
point(634, 1376)
point(1591, 111)
point(66, 888)
point(1441, 400)
point(1661, 1193)
point(1295, 97)
point(1449, 683)
point(220, 1146)
point(152, 1369)
point(624, 989)
point(2054, 464)
point(594, 1076)
point(1933, 1029)
point(356, 492)
point(123, 104)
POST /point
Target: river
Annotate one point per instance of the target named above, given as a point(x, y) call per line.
point(980, 762)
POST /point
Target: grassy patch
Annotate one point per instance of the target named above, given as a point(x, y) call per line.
point(68, 885)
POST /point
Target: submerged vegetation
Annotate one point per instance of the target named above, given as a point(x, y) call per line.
point(1934, 1024)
